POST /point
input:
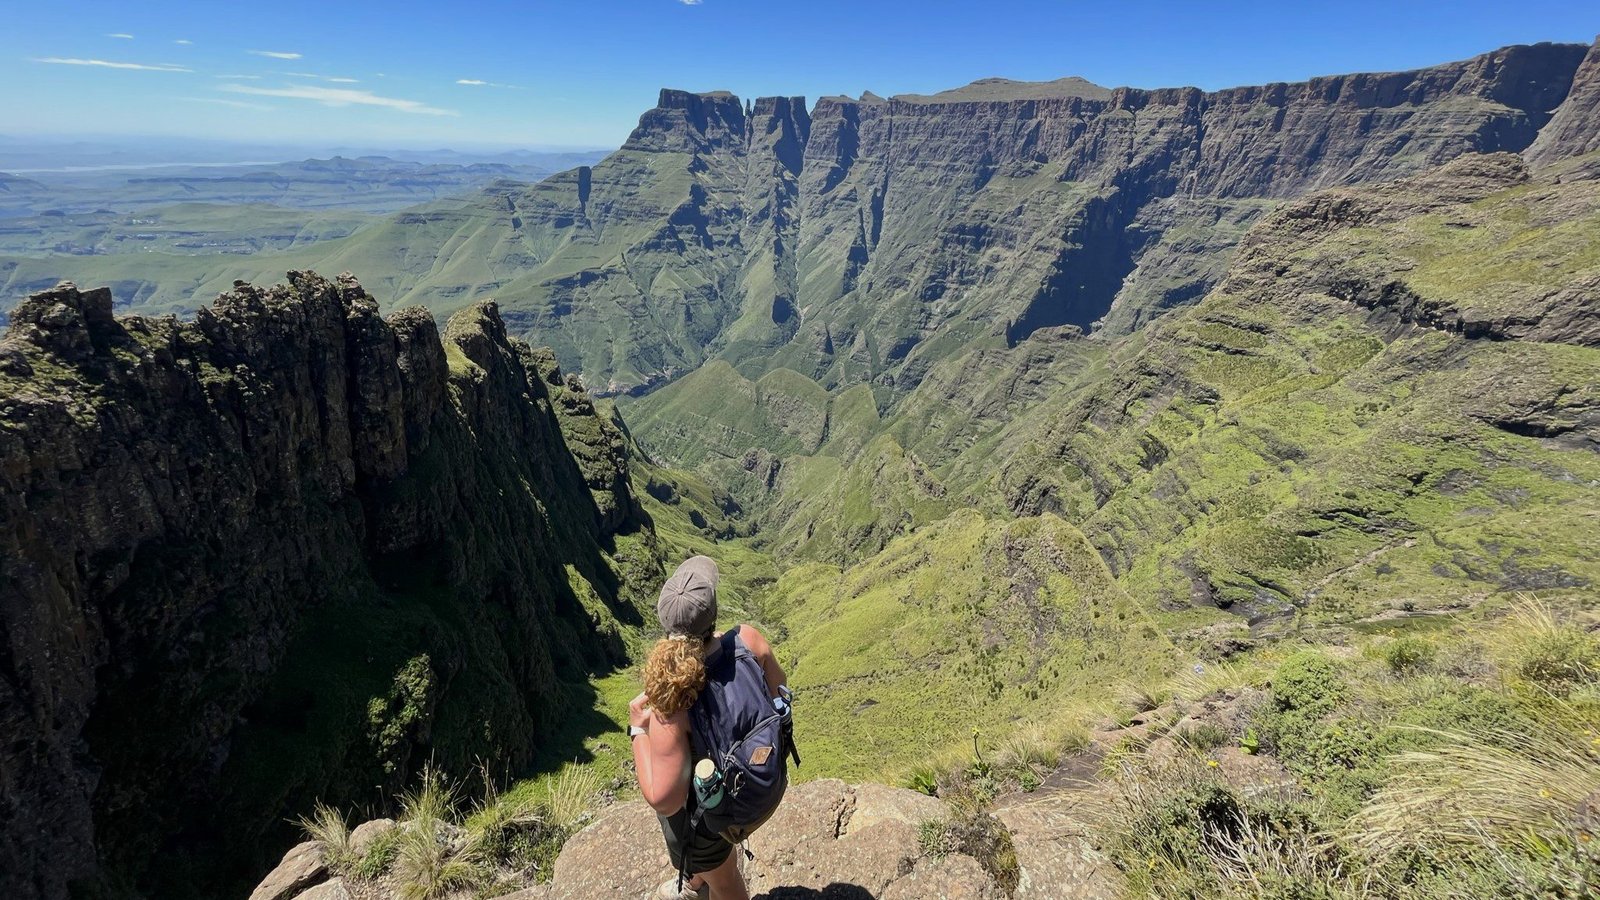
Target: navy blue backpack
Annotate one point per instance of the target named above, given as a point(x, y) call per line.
point(734, 723)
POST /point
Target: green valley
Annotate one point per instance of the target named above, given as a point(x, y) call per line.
point(1167, 493)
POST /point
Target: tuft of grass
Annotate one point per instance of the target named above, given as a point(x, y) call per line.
point(1177, 830)
point(428, 867)
point(1549, 655)
point(327, 826)
point(1143, 698)
point(1204, 679)
point(1404, 655)
point(569, 797)
point(1514, 786)
point(1202, 737)
point(1026, 756)
point(433, 800)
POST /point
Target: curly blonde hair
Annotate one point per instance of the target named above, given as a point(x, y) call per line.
point(674, 674)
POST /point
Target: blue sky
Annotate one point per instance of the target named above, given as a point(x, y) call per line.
point(540, 73)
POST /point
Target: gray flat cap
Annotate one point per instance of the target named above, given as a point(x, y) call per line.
point(688, 603)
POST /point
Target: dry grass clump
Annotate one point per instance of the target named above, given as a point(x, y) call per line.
point(1019, 761)
point(1489, 789)
point(1546, 654)
point(430, 860)
point(327, 827)
point(443, 847)
point(1177, 829)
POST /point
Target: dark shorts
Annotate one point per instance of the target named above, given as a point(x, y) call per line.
point(707, 850)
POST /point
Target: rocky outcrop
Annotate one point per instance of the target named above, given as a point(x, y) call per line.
point(828, 840)
point(284, 551)
point(1574, 130)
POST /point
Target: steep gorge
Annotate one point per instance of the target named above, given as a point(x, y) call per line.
point(227, 541)
point(866, 317)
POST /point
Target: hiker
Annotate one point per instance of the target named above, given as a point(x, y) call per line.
point(711, 734)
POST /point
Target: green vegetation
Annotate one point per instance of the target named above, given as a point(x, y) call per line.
point(1272, 504)
point(327, 827)
point(968, 792)
point(439, 845)
point(1467, 779)
point(1182, 831)
point(964, 624)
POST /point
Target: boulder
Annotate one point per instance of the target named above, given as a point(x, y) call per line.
point(367, 832)
point(301, 868)
point(328, 890)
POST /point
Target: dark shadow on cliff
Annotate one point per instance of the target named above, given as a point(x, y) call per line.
point(1086, 276)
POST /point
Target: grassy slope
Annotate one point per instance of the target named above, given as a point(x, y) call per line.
point(1286, 449)
point(1268, 451)
point(966, 624)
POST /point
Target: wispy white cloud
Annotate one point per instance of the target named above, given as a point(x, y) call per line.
point(120, 36)
point(275, 54)
point(237, 104)
point(183, 41)
point(478, 82)
point(330, 79)
point(241, 77)
point(107, 64)
point(690, 2)
point(341, 97)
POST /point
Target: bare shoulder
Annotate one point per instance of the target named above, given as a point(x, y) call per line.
point(677, 722)
point(755, 640)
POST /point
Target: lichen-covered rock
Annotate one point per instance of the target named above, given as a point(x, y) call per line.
point(263, 557)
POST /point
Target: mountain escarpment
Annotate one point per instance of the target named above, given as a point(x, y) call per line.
point(863, 240)
point(288, 550)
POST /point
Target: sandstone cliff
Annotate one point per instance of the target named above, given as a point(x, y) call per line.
point(287, 550)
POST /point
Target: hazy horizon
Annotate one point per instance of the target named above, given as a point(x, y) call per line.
point(505, 75)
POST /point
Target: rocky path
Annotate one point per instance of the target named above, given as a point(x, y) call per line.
point(1052, 829)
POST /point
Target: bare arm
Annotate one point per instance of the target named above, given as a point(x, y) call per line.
point(661, 757)
point(762, 651)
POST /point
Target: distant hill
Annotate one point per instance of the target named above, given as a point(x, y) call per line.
point(367, 183)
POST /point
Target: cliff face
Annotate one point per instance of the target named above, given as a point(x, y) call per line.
point(867, 239)
point(1574, 130)
point(284, 551)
